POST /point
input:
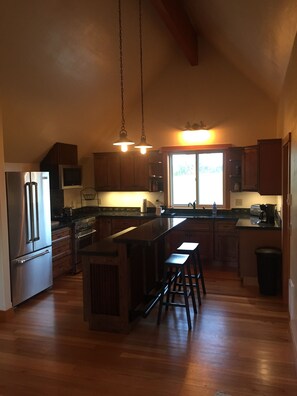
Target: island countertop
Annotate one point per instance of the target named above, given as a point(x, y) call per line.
point(150, 232)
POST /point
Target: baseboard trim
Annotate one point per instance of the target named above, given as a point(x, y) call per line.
point(6, 315)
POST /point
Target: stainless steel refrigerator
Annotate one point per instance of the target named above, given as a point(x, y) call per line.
point(29, 229)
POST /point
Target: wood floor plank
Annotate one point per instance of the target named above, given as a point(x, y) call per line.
point(240, 345)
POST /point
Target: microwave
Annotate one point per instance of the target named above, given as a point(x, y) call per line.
point(70, 176)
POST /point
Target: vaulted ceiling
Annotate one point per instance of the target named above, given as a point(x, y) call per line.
point(59, 58)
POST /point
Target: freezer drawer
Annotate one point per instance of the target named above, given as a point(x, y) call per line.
point(31, 274)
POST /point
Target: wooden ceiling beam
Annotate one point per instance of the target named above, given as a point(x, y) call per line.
point(176, 19)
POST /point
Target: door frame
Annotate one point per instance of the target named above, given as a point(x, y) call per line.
point(286, 215)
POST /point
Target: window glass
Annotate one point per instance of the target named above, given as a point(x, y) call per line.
point(183, 178)
point(210, 184)
point(197, 177)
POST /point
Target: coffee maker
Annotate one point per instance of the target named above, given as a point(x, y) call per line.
point(267, 214)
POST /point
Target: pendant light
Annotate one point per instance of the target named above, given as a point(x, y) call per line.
point(123, 140)
point(143, 145)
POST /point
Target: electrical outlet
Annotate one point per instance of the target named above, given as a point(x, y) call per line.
point(238, 202)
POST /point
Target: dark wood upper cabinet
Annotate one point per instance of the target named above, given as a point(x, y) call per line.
point(134, 172)
point(107, 172)
point(121, 172)
point(234, 161)
point(61, 154)
point(156, 171)
point(270, 166)
point(250, 168)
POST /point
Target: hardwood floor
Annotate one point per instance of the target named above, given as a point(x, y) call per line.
point(240, 345)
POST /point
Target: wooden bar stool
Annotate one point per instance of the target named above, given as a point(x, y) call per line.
point(192, 249)
point(177, 265)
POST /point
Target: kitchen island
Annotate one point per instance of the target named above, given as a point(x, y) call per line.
point(122, 275)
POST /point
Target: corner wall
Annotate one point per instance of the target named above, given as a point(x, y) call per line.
point(5, 299)
point(287, 122)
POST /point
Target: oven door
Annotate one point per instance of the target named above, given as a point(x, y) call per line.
point(81, 240)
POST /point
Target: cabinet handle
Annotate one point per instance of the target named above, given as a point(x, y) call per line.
point(61, 239)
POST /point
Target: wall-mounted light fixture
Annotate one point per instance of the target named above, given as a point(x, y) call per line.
point(196, 133)
point(123, 140)
point(196, 127)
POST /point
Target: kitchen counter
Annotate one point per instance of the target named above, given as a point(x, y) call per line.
point(252, 223)
point(84, 212)
point(242, 216)
point(151, 231)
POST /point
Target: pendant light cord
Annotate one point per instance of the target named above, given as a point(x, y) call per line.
point(141, 71)
point(121, 66)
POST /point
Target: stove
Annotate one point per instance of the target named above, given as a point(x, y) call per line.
point(84, 232)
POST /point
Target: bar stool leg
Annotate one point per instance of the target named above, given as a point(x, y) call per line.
point(177, 266)
point(164, 284)
point(186, 298)
point(198, 260)
point(192, 287)
point(169, 282)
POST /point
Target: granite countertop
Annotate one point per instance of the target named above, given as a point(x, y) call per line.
point(151, 231)
point(241, 216)
point(252, 223)
point(105, 247)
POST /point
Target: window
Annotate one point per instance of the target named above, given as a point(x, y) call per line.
point(197, 176)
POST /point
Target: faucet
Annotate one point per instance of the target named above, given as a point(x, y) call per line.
point(193, 204)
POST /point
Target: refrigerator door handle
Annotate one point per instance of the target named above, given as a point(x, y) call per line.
point(22, 261)
point(35, 212)
point(28, 213)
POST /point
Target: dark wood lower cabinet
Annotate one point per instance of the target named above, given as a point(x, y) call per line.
point(194, 230)
point(103, 227)
point(218, 239)
point(62, 251)
point(226, 242)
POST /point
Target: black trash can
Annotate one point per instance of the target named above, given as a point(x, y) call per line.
point(269, 270)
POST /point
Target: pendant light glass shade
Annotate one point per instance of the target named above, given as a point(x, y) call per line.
point(123, 140)
point(143, 145)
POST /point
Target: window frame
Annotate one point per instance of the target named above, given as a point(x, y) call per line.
point(168, 151)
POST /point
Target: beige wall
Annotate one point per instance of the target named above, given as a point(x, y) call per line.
point(5, 301)
point(287, 122)
point(214, 92)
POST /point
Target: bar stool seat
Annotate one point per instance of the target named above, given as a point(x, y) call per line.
point(177, 265)
point(192, 249)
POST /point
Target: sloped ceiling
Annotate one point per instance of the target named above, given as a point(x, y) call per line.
point(257, 36)
point(59, 69)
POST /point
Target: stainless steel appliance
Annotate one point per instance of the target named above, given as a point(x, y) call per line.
point(84, 233)
point(29, 227)
point(265, 213)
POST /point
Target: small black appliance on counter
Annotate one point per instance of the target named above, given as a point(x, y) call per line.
point(265, 212)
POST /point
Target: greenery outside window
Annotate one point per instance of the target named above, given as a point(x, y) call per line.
point(197, 177)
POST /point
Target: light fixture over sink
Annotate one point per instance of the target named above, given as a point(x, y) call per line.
point(143, 145)
point(196, 133)
point(196, 127)
point(123, 140)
